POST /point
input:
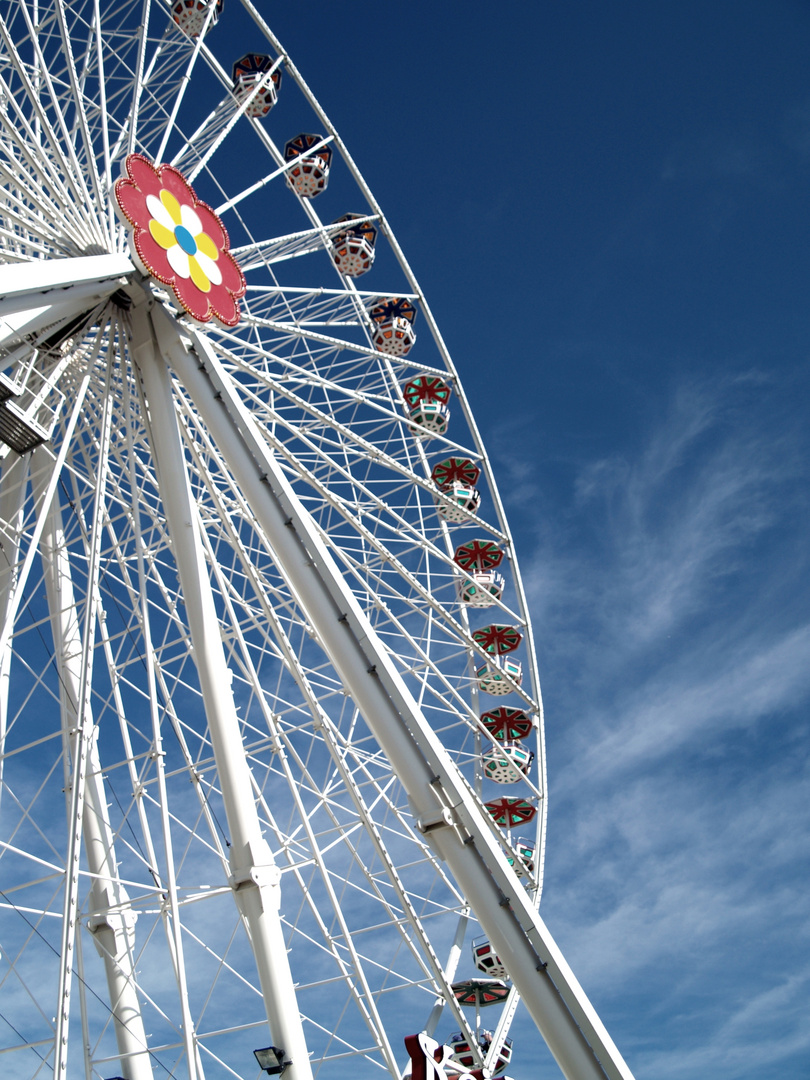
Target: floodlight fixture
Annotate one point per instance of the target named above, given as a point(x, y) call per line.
point(271, 1060)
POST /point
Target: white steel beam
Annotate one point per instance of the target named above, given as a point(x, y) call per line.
point(19, 324)
point(255, 877)
point(274, 630)
point(447, 810)
point(13, 486)
point(79, 740)
point(37, 284)
point(111, 920)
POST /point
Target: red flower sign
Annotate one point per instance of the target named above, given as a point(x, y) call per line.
point(180, 241)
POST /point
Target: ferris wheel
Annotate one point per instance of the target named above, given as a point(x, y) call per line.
point(270, 725)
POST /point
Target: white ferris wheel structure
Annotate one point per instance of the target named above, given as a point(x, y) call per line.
point(271, 733)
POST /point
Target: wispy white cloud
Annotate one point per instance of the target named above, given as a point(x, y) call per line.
point(731, 686)
point(768, 1030)
point(648, 534)
point(671, 607)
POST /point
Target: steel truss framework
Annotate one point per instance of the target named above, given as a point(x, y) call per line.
point(239, 713)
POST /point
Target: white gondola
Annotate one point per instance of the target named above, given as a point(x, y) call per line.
point(353, 249)
point(248, 73)
point(309, 174)
point(493, 678)
point(395, 337)
point(487, 960)
point(430, 418)
point(485, 589)
point(190, 15)
point(507, 763)
point(458, 502)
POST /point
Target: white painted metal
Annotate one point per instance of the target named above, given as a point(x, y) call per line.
point(255, 877)
point(24, 286)
point(14, 328)
point(112, 919)
point(277, 677)
point(446, 807)
point(77, 759)
point(12, 498)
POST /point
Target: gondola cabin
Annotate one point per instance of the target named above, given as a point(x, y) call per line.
point(455, 470)
point(497, 639)
point(506, 723)
point(478, 555)
point(426, 399)
point(480, 993)
point(479, 558)
point(494, 678)
point(247, 74)
point(430, 418)
point(487, 960)
point(507, 763)
point(524, 863)
point(30, 402)
point(190, 15)
point(309, 174)
point(393, 327)
point(485, 589)
point(458, 502)
point(456, 478)
point(509, 812)
point(464, 1056)
point(353, 247)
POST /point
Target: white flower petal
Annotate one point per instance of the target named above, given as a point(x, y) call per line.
point(189, 220)
point(209, 268)
point(178, 261)
point(159, 212)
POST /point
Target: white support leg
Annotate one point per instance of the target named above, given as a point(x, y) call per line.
point(255, 878)
point(13, 486)
point(112, 921)
point(443, 803)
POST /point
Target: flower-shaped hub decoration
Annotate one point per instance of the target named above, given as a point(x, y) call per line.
point(180, 241)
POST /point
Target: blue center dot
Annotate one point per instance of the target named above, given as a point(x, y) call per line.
point(185, 240)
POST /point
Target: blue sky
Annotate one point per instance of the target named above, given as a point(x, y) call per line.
point(607, 206)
